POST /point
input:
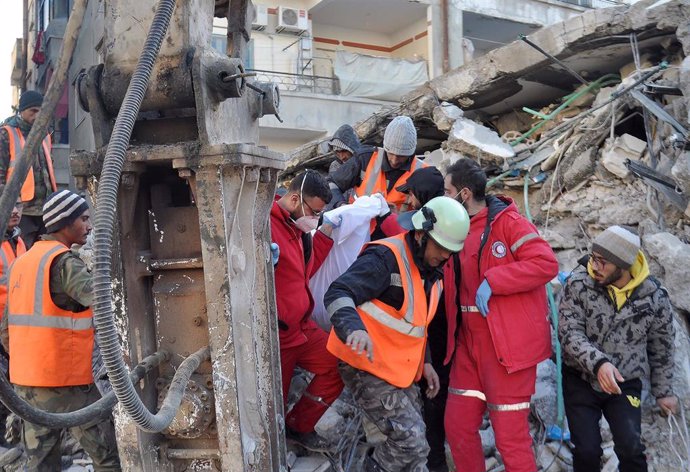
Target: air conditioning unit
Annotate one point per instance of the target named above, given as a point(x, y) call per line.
point(260, 21)
point(292, 20)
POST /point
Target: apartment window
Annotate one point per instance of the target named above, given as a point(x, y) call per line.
point(59, 8)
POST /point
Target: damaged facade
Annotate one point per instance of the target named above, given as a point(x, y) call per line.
point(593, 136)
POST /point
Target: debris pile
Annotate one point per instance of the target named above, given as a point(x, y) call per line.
point(589, 131)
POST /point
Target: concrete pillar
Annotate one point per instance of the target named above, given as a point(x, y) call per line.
point(436, 40)
point(455, 34)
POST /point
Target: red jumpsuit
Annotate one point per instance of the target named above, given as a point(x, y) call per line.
point(495, 358)
point(302, 342)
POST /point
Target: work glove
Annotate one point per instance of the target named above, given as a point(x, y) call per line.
point(275, 253)
point(482, 298)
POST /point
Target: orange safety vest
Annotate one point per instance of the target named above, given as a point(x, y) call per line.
point(398, 336)
point(16, 145)
point(7, 257)
point(49, 346)
point(374, 181)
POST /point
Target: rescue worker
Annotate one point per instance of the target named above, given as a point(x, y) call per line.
point(616, 328)
point(302, 342)
point(12, 247)
point(344, 144)
point(48, 332)
point(40, 182)
point(382, 170)
point(423, 185)
point(498, 309)
point(381, 308)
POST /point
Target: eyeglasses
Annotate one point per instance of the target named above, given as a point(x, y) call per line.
point(313, 212)
point(598, 260)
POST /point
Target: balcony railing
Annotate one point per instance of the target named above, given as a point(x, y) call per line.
point(299, 82)
point(594, 3)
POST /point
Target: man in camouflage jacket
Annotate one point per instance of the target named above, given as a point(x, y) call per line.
point(616, 328)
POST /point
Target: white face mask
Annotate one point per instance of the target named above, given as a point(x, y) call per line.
point(307, 224)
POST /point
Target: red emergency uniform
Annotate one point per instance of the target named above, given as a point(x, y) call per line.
point(302, 342)
point(494, 358)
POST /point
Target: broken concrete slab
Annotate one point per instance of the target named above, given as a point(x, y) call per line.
point(445, 115)
point(620, 149)
point(674, 257)
point(479, 142)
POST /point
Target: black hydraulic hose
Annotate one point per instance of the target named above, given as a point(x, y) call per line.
point(106, 211)
point(97, 410)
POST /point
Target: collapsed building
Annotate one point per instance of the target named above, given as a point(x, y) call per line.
point(585, 124)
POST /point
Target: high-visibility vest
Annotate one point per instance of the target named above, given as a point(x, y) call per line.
point(16, 145)
point(374, 180)
point(398, 336)
point(49, 346)
point(7, 257)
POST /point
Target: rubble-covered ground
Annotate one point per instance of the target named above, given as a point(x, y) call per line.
point(577, 157)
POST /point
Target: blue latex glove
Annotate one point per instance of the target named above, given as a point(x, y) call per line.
point(334, 224)
point(482, 298)
point(275, 253)
point(563, 277)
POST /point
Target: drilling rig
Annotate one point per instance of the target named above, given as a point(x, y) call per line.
point(187, 262)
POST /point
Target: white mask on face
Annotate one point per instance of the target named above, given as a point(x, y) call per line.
point(307, 224)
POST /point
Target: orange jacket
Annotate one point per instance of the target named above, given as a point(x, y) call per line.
point(374, 181)
point(7, 257)
point(398, 336)
point(49, 346)
point(16, 145)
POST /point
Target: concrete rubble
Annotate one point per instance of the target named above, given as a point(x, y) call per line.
point(578, 167)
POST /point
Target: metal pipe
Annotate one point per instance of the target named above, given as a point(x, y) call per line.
point(554, 59)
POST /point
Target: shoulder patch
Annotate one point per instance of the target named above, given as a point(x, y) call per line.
point(499, 250)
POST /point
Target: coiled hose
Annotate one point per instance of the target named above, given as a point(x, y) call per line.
point(97, 410)
point(106, 211)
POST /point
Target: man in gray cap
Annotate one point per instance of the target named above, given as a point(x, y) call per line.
point(40, 182)
point(616, 328)
point(48, 332)
point(381, 170)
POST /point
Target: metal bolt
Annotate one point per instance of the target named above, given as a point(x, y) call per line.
point(181, 227)
point(197, 320)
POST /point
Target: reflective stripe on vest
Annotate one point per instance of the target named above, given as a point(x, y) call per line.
point(16, 139)
point(398, 335)
point(7, 257)
point(374, 181)
point(49, 346)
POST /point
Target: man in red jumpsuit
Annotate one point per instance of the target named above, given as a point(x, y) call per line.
point(297, 256)
point(498, 330)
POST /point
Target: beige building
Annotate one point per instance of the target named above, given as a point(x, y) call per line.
point(335, 61)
